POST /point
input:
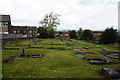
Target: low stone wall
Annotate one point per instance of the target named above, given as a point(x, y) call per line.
point(11, 36)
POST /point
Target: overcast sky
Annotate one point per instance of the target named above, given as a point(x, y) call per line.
point(88, 14)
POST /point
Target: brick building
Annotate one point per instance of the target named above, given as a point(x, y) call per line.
point(7, 29)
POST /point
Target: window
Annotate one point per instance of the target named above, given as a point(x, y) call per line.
point(3, 32)
point(30, 31)
point(18, 31)
point(3, 23)
point(14, 31)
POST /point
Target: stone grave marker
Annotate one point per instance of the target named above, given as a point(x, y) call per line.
point(80, 56)
point(110, 73)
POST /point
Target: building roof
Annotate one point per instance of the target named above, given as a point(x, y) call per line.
point(25, 26)
point(97, 31)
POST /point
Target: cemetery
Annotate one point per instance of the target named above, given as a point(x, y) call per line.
point(59, 58)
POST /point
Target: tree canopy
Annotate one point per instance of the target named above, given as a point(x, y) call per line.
point(80, 32)
point(48, 25)
point(73, 34)
point(50, 21)
point(108, 36)
point(87, 35)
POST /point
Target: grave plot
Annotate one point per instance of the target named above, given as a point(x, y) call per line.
point(110, 73)
point(105, 52)
point(80, 56)
point(102, 60)
point(23, 55)
point(114, 55)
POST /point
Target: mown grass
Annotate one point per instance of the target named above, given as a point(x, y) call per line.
point(55, 63)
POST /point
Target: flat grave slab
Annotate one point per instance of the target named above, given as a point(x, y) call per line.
point(32, 55)
point(103, 60)
point(95, 61)
point(80, 56)
point(110, 73)
point(112, 56)
point(109, 52)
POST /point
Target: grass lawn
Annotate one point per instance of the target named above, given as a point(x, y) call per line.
point(55, 63)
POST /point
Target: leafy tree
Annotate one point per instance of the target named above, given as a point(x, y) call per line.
point(87, 35)
point(49, 23)
point(73, 34)
point(80, 32)
point(109, 36)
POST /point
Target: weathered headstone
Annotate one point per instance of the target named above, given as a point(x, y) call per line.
point(80, 56)
point(23, 52)
point(110, 73)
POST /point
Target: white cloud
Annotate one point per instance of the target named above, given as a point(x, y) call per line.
point(88, 14)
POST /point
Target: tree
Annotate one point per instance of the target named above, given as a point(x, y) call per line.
point(43, 32)
point(87, 35)
point(73, 34)
point(52, 33)
point(108, 36)
point(50, 22)
point(80, 32)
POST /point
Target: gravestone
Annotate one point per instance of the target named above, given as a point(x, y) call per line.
point(80, 56)
point(112, 56)
point(110, 73)
point(23, 53)
point(102, 60)
point(106, 59)
point(95, 61)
